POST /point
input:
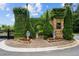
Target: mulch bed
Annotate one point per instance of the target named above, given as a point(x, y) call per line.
point(36, 43)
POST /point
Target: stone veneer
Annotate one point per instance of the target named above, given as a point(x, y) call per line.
point(58, 32)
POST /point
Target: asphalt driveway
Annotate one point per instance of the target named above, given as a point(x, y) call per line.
point(67, 52)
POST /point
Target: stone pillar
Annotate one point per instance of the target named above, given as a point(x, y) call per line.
point(37, 35)
point(62, 24)
point(57, 33)
point(54, 27)
point(54, 23)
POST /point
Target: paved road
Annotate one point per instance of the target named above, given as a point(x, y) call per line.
point(66, 52)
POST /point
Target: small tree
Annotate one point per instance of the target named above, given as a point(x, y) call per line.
point(48, 29)
point(68, 24)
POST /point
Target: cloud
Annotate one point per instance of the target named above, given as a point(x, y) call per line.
point(47, 6)
point(34, 9)
point(7, 9)
point(74, 6)
point(7, 15)
point(13, 20)
point(35, 14)
point(24, 6)
point(30, 7)
point(39, 7)
point(2, 6)
point(62, 4)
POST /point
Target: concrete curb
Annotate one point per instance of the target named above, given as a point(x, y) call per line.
point(13, 49)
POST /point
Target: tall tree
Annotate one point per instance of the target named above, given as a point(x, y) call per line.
point(43, 16)
point(68, 4)
point(68, 24)
point(48, 29)
point(29, 26)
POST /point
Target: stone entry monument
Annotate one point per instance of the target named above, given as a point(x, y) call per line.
point(58, 23)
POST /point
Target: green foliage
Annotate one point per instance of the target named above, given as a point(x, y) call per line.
point(76, 21)
point(12, 27)
point(37, 24)
point(48, 29)
point(42, 26)
point(68, 24)
point(76, 26)
point(43, 17)
point(0, 28)
point(75, 16)
point(6, 27)
point(20, 11)
point(21, 22)
point(58, 13)
point(77, 11)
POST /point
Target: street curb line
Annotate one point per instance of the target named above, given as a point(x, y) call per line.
point(13, 49)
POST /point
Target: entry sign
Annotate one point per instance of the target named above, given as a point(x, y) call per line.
point(27, 33)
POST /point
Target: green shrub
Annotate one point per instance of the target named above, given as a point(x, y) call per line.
point(76, 26)
point(68, 34)
point(48, 29)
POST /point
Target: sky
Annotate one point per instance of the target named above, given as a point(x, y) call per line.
point(35, 9)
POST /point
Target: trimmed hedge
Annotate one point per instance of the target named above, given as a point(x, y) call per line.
point(22, 22)
point(68, 24)
point(20, 19)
